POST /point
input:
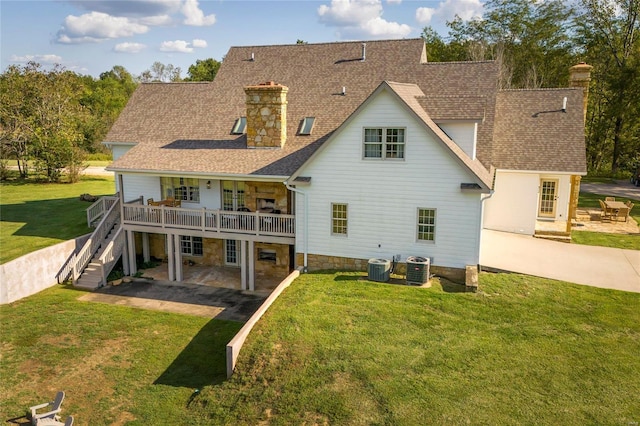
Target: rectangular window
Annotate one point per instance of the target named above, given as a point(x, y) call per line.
point(183, 189)
point(384, 143)
point(338, 219)
point(426, 224)
point(191, 246)
point(307, 125)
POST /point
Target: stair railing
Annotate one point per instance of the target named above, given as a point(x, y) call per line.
point(83, 257)
point(111, 254)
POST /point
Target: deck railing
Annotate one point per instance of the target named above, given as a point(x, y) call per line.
point(97, 209)
point(111, 254)
point(210, 220)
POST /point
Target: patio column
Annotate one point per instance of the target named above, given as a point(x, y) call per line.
point(170, 258)
point(251, 263)
point(131, 248)
point(178, 255)
point(125, 255)
point(145, 247)
point(243, 265)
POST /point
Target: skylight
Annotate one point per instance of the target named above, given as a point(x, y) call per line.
point(307, 125)
point(240, 126)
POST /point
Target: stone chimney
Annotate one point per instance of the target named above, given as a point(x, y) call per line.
point(266, 115)
point(580, 76)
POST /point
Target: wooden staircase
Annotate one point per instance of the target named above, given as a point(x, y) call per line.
point(96, 272)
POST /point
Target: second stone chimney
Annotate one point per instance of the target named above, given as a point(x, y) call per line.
point(266, 115)
point(580, 76)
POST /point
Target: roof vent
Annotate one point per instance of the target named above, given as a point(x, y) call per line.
point(253, 57)
point(364, 52)
point(564, 104)
point(344, 91)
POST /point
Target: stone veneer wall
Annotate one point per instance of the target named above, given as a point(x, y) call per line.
point(266, 115)
point(319, 262)
point(268, 269)
point(267, 190)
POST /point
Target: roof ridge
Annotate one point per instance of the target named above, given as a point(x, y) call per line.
point(328, 43)
point(540, 89)
point(159, 83)
point(487, 61)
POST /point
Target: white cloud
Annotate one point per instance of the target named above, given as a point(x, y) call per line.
point(45, 59)
point(361, 18)
point(131, 8)
point(448, 9)
point(96, 27)
point(182, 46)
point(199, 43)
point(394, 1)
point(129, 47)
point(194, 15)
point(176, 46)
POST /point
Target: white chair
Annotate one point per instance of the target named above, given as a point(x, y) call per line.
point(52, 414)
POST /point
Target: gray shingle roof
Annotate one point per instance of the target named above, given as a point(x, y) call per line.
point(532, 133)
point(186, 126)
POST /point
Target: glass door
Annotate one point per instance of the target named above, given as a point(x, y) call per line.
point(548, 198)
point(232, 195)
point(232, 252)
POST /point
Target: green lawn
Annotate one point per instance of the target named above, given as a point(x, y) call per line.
point(631, 242)
point(38, 215)
point(337, 349)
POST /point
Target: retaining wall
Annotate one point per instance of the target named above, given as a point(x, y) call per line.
point(234, 346)
point(35, 271)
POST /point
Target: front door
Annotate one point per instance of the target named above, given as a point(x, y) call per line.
point(548, 198)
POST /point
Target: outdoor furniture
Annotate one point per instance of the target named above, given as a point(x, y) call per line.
point(610, 198)
point(606, 212)
point(150, 202)
point(55, 408)
point(622, 212)
point(51, 422)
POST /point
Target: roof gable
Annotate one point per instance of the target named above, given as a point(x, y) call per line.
point(408, 95)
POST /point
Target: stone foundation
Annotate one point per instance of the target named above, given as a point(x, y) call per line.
point(319, 262)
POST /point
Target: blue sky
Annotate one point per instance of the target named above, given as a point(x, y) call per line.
point(92, 36)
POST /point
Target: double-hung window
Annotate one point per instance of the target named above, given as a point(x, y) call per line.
point(179, 188)
point(338, 219)
point(191, 246)
point(426, 224)
point(384, 143)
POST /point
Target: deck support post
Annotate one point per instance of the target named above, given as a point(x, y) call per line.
point(178, 255)
point(243, 265)
point(145, 247)
point(251, 264)
point(171, 259)
point(131, 248)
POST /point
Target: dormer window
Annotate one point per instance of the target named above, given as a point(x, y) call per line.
point(307, 125)
point(240, 126)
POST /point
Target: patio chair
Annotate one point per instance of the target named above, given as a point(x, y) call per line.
point(150, 201)
point(606, 213)
point(609, 198)
point(55, 408)
point(51, 422)
point(623, 212)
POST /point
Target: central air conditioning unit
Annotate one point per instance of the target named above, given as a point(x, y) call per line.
point(379, 270)
point(417, 270)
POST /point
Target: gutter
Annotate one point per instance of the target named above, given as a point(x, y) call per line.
point(306, 221)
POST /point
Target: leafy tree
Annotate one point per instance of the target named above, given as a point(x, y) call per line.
point(440, 51)
point(530, 39)
point(609, 34)
point(160, 72)
point(41, 117)
point(203, 70)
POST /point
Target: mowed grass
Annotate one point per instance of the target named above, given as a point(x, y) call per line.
point(38, 215)
point(117, 365)
point(623, 241)
point(337, 349)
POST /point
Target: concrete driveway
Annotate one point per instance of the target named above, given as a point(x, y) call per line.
point(623, 188)
point(589, 265)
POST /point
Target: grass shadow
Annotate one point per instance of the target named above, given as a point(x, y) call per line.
point(203, 361)
point(54, 218)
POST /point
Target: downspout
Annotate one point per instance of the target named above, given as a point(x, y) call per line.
point(306, 221)
point(482, 200)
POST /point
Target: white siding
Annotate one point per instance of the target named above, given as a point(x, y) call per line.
point(514, 204)
point(148, 186)
point(383, 196)
point(119, 150)
point(464, 135)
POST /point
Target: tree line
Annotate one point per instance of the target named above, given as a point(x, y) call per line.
point(52, 118)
